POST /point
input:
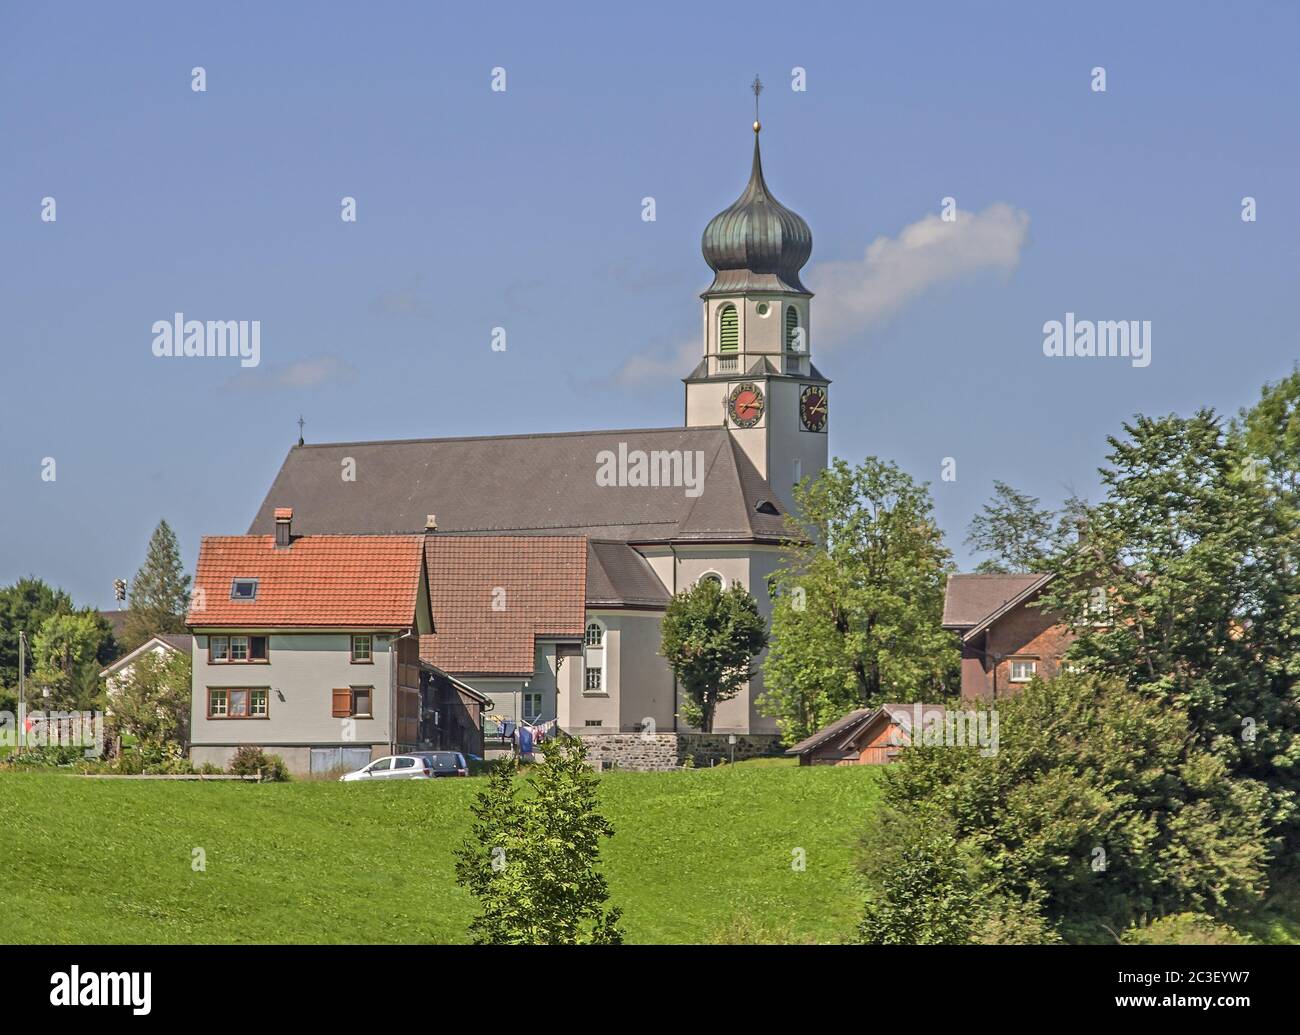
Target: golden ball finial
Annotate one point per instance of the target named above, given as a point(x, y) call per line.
point(757, 125)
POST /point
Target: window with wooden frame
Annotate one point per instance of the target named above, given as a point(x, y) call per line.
point(224, 650)
point(1023, 669)
point(532, 706)
point(239, 702)
point(354, 702)
point(362, 650)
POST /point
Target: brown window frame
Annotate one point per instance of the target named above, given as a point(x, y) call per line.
point(352, 712)
point(352, 648)
point(250, 690)
point(247, 659)
point(1022, 659)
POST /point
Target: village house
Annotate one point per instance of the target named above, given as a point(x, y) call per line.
point(1006, 640)
point(162, 645)
point(308, 646)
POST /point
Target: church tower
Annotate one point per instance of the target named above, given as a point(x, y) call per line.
point(757, 376)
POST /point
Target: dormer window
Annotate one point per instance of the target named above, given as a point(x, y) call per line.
point(243, 589)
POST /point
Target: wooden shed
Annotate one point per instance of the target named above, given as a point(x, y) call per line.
point(867, 736)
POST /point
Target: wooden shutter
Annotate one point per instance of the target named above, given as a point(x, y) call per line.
point(342, 703)
point(791, 326)
point(728, 329)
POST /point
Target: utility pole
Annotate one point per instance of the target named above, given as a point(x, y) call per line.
point(22, 689)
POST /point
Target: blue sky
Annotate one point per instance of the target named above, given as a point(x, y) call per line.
point(522, 209)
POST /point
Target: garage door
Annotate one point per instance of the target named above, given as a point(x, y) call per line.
point(338, 759)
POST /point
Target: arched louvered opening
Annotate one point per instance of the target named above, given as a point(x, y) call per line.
point(793, 339)
point(728, 329)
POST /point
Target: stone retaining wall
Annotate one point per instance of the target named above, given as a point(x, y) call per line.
point(655, 751)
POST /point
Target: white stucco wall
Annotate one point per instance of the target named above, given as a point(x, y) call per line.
point(301, 674)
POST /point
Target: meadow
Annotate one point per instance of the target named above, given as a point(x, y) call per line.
point(754, 852)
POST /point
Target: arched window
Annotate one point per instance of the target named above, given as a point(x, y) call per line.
point(793, 339)
point(594, 658)
point(715, 578)
point(728, 329)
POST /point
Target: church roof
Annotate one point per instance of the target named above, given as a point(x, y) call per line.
point(756, 244)
point(523, 485)
point(618, 576)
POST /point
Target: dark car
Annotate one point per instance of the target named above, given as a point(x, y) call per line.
point(444, 763)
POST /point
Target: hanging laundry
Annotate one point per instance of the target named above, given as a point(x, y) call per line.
point(525, 740)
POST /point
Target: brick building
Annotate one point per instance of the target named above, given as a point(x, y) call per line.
point(1006, 639)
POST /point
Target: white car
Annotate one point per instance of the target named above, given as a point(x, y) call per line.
point(394, 767)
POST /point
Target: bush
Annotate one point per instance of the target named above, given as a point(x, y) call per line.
point(1184, 929)
point(1097, 810)
point(250, 760)
point(44, 756)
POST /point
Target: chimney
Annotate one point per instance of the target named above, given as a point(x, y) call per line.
point(283, 525)
point(431, 523)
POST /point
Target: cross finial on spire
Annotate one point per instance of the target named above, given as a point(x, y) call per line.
point(301, 422)
point(757, 87)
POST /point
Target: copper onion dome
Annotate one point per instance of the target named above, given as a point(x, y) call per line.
point(757, 244)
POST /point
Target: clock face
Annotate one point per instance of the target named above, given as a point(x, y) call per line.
point(812, 408)
point(745, 405)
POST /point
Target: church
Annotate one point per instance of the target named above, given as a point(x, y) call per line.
point(541, 564)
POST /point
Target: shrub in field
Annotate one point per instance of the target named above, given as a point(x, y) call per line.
point(1098, 810)
point(531, 862)
point(44, 756)
point(249, 760)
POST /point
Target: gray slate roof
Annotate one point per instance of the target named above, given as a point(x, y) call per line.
point(969, 599)
point(525, 484)
point(618, 576)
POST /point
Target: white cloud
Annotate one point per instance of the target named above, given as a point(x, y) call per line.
point(895, 271)
point(660, 365)
point(855, 295)
point(305, 373)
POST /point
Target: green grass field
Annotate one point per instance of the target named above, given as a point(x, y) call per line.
point(697, 856)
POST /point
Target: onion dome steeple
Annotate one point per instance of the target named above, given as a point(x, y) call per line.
point(757, 244)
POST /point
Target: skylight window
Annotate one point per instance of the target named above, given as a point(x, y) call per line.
point(243, 589)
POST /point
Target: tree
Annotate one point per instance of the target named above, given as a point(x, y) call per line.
point(1098, 809)
point(160, 593)
point(1014, 530)
point(23, 607)
point(1271, 429)
point(532, 862)
point(859, 600)
point(151, 700)
point(1183, 584)
point(710, 637)
point(64, 652)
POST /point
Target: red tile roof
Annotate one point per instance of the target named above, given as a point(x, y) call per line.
point(491, 597)
point(349, 581)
